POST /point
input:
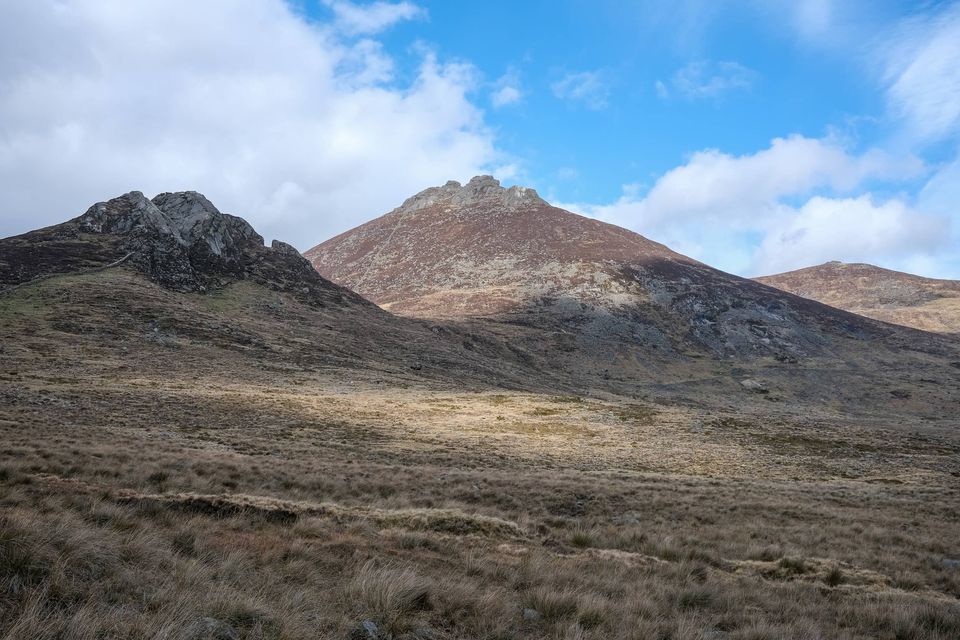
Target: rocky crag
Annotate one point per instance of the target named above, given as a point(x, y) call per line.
point(179, 240)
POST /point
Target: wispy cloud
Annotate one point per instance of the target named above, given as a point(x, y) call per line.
point(707, 79)
point(589, 88)
point(368, 19)
point(922, 73)
point(507, 89)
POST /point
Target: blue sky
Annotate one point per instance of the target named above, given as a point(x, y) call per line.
point(758, 136)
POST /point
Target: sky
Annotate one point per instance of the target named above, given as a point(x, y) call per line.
point(758, 136)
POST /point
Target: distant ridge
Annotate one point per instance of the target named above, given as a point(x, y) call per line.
point(891, 296)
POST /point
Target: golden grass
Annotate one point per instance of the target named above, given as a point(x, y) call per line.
point(176, 490)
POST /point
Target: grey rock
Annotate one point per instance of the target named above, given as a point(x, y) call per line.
point(531, 614)
point(179, 239)
point(283, 247)
point(480, 190)
point(365, 630)
point(628, 518)
point(754, 385)
point(950, 563)
point(183, 242)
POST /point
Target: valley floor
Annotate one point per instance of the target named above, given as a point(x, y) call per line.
point(152, 504)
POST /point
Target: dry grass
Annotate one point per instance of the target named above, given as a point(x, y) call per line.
point(158, 491)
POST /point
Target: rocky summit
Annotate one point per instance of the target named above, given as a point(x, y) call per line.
point(891, 296)
point(180, 240)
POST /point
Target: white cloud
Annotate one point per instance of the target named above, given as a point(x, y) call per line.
point(507, 89)
point(780, 208)
point(708, 79)
point(505, 95)
point(589, 88)
point(735, 188)
point(812, 18)
point(371, 18)
point(853, 229)
point(922, 73)
point(276, 119)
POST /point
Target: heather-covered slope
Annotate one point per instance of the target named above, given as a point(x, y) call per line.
point(176, 284)
point(892, 296)
point(482, 251)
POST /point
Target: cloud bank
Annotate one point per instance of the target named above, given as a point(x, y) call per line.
point(796, 203)
point(300, 127)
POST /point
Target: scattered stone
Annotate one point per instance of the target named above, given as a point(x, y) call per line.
point(950, 563)
point(531, 614)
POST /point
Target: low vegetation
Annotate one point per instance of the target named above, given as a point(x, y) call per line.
point(156, 489)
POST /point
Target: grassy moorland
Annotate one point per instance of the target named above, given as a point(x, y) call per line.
point(156, 485)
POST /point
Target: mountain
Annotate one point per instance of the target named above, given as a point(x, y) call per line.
point(480, 250)
point(484, 287)
point(182, 285)
point(203, 438)
point(600, 302)
point(891, 296)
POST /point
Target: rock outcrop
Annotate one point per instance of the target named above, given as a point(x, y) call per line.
point(479, 190)
point(180, 240)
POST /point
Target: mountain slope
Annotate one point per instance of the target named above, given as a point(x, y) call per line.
point(481, 251)
point(603, 306)
point(882, 294)
point(174, 283)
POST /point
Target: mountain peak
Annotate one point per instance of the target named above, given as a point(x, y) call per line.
point(179, 240)
point(482, 252)
point(483, 189)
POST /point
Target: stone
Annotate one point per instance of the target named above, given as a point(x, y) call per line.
point(365, 630)
point(754, 385)
point(531, 614)
point(479, 190)
point(183, 242)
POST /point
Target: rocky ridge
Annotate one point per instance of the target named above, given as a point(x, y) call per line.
point(479, 190)
point(179, 240)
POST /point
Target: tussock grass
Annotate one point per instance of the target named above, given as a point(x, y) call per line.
point(451, 521)
point(288, 512)
point(387, 594)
